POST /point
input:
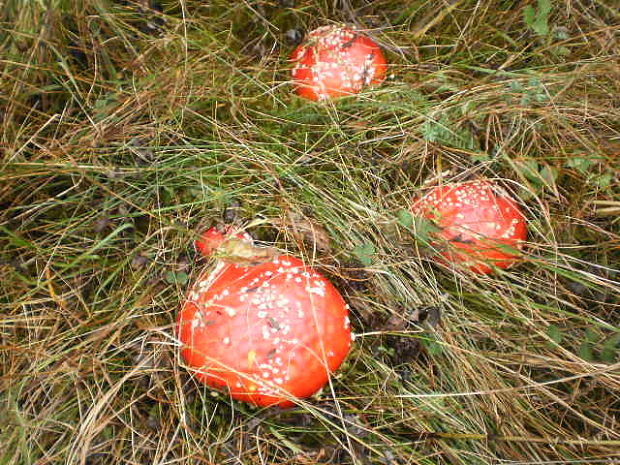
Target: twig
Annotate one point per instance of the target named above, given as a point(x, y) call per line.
point(425, 436)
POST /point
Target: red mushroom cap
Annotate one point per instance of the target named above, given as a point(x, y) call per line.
point(265, 332)
point(477, 220)
point(334, 61)
point(214, 237)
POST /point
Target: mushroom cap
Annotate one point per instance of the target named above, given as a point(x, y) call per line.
point(214, 237)
point(265, 332)
point(334, 61)
point(478, 223)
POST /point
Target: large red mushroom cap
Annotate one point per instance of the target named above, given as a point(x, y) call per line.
point(334, 61)
point(478, 224)
point(265, 330)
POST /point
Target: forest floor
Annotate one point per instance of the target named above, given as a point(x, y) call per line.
point(127, 127)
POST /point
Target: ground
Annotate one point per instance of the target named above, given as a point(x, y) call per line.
point(127, 127)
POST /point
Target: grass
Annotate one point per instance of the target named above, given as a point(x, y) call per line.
point(128, 127)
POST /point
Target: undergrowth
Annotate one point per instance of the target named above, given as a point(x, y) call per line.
point(128, 126)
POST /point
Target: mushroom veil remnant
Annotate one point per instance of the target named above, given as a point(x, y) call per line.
point(477, 224)
point(262, 326)
point(334, 61)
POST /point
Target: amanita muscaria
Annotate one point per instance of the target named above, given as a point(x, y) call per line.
point(334, 61)
point(477, 224)
point(262, 326)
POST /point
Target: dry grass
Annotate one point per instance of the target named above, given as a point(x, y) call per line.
point(125, 129)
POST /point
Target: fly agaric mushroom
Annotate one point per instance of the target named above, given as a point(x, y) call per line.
point(214, 237)
point(265, 327)
point(334, 61)
point(477, 224)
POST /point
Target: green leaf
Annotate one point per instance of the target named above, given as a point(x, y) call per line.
point(549, 174)
point(525, 100)
point(541, 95)
point(102, 102)
point(515, 85)
point(561, 33)
point(533, 82)
point(364, 253)
point(585, 351)
point(432, 346)
point(182, 278)
point(591, 336)
point(580, 164)
point(555, 334)
point(538, 19)
point(544, 7)
point(176, 278)
point(424, 228)
point(610, 349)
point(405, 218)
point(604, 180)
point(530, 169)
point(431, 131)
point(561, 51)
point(529, 16)
point(170, 277)
point(481, 157)
point(442, 132)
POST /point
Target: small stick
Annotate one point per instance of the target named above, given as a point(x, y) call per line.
point(424, 436)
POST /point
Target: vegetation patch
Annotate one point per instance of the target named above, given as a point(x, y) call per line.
point(129, 127)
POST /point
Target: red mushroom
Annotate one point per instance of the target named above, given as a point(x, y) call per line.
point(478, 224)
point(334, 61)
point(214, 237)
point(265, 327)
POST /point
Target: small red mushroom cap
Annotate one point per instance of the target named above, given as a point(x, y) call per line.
point(334, 61)
point(478, 224)
point(214, 237)
point(266, 332)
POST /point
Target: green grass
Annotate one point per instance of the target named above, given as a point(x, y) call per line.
point(127, 130)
